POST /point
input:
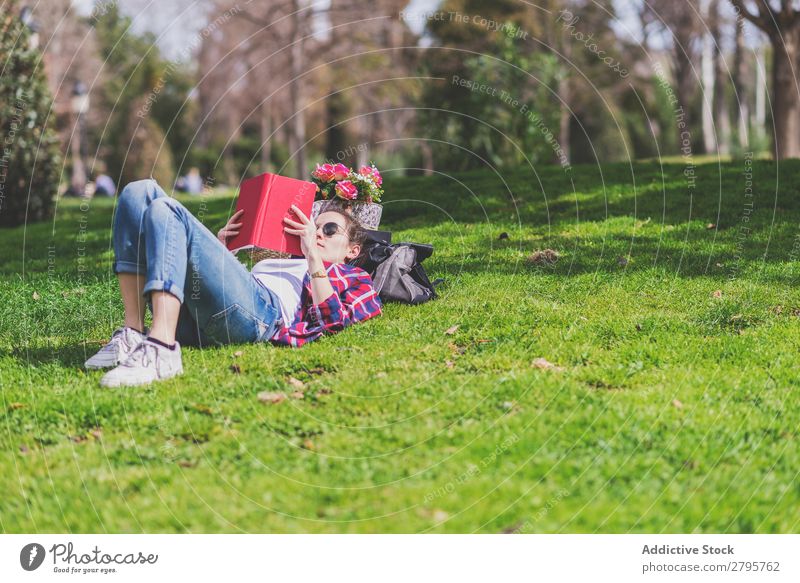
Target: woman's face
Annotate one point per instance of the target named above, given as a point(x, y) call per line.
point(336, 248)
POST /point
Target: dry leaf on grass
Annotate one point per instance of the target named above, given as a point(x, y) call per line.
point(237, 353)
point(309, 445)
point(272, 398)
point(717, 293)
point(295, 383)
point(36, 296)
point(449, 363)
point(544, 364)
point(451, 330)
point(298, 395)
point(545, 257)
point(677, 404)
point(710, 226)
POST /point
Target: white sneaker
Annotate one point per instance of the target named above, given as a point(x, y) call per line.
point(122, 343)
point(147, 363)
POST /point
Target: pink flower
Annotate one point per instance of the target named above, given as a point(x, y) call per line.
point(372, 171)
point(346, 190)
point(325, 172)
point(340, 171)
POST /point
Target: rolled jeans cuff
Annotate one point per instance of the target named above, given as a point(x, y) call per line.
point(166, 286)
point(128, 267)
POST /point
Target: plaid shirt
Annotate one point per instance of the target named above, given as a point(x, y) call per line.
point(353, 300)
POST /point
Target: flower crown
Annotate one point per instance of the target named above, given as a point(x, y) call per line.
point(339, 180)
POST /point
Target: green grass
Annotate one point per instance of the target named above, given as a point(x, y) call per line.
point(677, 408)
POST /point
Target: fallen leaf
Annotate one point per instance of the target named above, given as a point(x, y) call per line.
point(711, 226)
point(451, 330)
point(717, 293)
point(36, 296)
point(296, 383)
point(449, 363)
point(545, 257)
point(544, 364)
point(308, 444)
point(297, 395)
point(187, 464)
point(238, 353)
point(15, 406)
point(235, 369)
point(457, 349)
point(484, 341)
point(78, 438)
point(677, 404)
point(204, 409)
point(272, 398)
point(97, 433)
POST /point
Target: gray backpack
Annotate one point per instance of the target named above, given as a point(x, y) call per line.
point(397, 274)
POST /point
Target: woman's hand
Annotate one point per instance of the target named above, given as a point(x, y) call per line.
point(305, 229)
point(231, 228)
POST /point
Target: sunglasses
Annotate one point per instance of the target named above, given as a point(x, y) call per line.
point(330, 229)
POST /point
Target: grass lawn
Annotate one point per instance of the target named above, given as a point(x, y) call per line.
point(672, 317)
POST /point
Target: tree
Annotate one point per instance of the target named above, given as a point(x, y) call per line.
point(781, 23)
point(29, 153)
point(681, 20)
point(135, 91)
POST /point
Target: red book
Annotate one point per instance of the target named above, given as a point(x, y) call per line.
point(266, 200)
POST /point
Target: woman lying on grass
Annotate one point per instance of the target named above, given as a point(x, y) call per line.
point(201, 294)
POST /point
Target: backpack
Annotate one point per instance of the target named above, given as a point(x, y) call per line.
point(396, 270)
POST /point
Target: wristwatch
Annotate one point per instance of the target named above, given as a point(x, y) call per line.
point(320, 273)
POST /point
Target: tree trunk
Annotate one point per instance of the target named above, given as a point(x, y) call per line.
point(298, 121)
point(707, 72)
point(565, 96)
point(742, 97)
point(786, 97)
point(761, 91)
point(720, 103)
point(266, 139)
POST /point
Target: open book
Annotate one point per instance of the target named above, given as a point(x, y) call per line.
point(266, 200)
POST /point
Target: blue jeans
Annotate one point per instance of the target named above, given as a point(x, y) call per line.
point(221, 302)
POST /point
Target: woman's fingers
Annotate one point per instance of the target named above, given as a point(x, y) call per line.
point(293, 223)
point(237, 214)
point(300, 214)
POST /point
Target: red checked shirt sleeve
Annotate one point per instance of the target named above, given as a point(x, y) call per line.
point(353, 300)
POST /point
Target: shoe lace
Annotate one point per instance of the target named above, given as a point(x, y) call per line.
point(143, 355)
point(116, 338)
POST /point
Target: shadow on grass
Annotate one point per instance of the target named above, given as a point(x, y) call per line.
point(67, 356)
